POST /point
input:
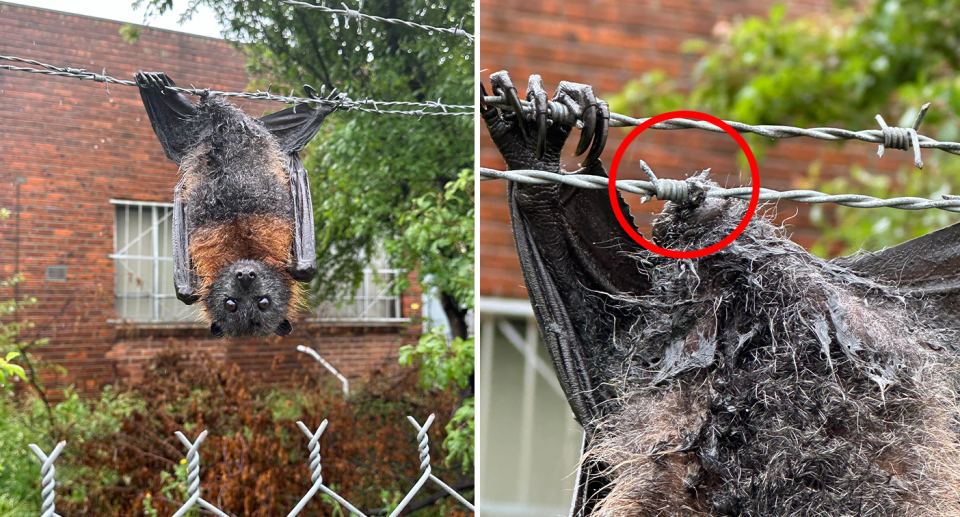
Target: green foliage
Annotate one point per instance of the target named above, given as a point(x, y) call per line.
point(438, 240)
point(460, 432)
point(130, 33)
point(11, 345)
point(838, 68)
point(442, 364)
point(446, 365)
point(175, 487)
point(81, 421)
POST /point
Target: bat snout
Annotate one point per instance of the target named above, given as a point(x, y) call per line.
point(246, 277)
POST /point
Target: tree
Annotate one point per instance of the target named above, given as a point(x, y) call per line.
point(368, 170)
point(838, 68)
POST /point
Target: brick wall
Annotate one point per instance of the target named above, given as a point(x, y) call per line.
point(606, 43)
point(77, 146)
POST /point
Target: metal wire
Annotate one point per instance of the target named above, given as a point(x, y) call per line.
point(560, 113)
point(649, 189)
point(194, 498)
point(426, 109)
point(351, 14)
point(47, 475)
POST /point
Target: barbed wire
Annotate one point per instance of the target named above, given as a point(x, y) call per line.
point(889, 137)
point(347, 104)
point(676, 190)
point(351, 14)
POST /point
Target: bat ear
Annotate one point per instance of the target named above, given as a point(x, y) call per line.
point(284, 328)
point(216, 330)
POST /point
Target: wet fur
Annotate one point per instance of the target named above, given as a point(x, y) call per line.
point(762, 380)
point(237, 197)
point(260, 237)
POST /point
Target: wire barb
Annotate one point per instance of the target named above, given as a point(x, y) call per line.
point(342, 101)
point(646, 188)
point(350, 14)
point(903, 138)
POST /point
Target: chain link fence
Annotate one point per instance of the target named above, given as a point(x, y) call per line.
point(194, 491)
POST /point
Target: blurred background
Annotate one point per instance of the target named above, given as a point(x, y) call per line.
point(804, 63)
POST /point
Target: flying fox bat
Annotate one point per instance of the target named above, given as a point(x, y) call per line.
point(243, 234)
point(759, 380)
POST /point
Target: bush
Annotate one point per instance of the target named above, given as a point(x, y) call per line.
point(122, 457)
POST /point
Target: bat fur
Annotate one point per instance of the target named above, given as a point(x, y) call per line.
point(240, 214)
point(762, 380)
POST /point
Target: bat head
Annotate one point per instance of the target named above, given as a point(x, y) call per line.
point(249, 298)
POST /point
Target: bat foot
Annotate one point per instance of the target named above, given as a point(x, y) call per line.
point(501, 85)
point(153, 80)
point(594, 113)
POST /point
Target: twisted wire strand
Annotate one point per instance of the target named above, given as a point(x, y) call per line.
point(47, 472)
point(649, 190)
point(426, 109)
point(355, 14)
point(47, 478)
point(193, 472)
point(562, 114)
point(425, 450)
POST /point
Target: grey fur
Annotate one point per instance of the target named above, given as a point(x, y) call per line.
point(229, 169)
point(235, 283)
point(762, 380)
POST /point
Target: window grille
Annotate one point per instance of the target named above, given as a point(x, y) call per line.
point(143, 261)
point(374, 301)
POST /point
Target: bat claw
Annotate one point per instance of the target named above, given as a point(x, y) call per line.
point(501, 84)
point(594, 113)
point(302, 274)
point(538, 96)
point(153, 80)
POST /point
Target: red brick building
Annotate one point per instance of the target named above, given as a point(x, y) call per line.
point(527, 440)
point(90, 192)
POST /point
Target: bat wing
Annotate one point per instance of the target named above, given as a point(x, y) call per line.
point(574, 256)
point(927, 267)
point(294, 128)
point(170, 115)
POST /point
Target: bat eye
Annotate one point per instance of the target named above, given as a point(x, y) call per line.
point(264, 303)
point(230, 305)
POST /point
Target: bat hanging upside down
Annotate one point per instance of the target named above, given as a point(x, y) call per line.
point(243, 232)
point(757, 381)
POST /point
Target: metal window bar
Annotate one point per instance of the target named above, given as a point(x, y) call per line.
point(194, 497)
point(145, 257)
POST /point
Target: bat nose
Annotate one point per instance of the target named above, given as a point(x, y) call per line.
point(246, 277)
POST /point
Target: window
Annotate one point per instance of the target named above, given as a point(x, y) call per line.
point(373, 301)
point(143, 261)
point(530, 440)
